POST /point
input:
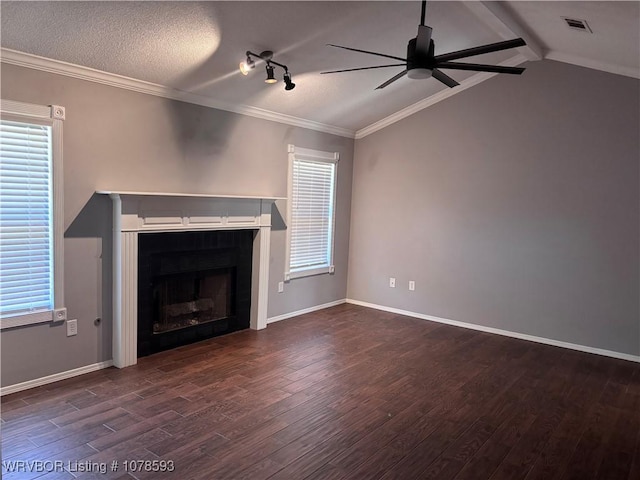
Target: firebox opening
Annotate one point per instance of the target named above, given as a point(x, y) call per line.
point(186, 300)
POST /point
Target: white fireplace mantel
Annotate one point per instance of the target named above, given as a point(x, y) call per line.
point(139, 212)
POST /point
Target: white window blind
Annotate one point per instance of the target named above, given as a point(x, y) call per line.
point(311, 213)
point(26, 230)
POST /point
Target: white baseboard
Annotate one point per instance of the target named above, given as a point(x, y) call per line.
point(284, 316)
point(56, 377)
point(497, 331)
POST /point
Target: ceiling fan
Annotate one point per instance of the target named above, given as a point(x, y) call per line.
point(421, 61)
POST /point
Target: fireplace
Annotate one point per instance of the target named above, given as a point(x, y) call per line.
point(192, 286)
point(137, 215)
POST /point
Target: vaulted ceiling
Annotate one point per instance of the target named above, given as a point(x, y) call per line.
point(191, 50)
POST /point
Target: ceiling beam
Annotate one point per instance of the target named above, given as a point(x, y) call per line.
point(501, 21)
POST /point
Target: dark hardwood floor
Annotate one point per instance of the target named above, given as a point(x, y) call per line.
point(344, 393)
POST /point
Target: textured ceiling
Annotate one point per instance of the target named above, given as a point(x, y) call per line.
point(196, 46)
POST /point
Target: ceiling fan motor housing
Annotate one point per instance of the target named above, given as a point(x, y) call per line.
point(419, 66)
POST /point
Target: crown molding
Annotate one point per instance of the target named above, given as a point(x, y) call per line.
point(22, 59)
point(593, 64)
point(438, 97)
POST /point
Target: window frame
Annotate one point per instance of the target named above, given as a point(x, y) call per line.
point(311, 155)
point(53, 116)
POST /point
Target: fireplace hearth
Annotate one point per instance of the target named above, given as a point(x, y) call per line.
point(192, 286)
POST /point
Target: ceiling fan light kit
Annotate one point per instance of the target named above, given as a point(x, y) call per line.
point(421, 61)
point(267, 56)
point(418, 73)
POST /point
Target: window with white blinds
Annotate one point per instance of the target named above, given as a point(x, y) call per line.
point(26, 278)
point(30, 214)
point(311, 212)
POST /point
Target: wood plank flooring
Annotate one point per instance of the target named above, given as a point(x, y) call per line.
point(343, 393)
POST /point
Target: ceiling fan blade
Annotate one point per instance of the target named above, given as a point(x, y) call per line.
point(365, 51)
point(470, 52)
point(423, 40)
point(366, 68)
point(476, 67)
point(444, 78)
point(392, 79)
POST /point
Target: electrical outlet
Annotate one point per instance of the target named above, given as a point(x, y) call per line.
point(412, 285)
point(392, 282)
point(72, 328)
point(280, 287)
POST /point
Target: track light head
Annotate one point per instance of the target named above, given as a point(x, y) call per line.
point(247, 65)
point(289, 85)
point(270, 77)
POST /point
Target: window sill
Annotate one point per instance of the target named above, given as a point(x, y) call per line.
point(26, 319)
point(308, 272)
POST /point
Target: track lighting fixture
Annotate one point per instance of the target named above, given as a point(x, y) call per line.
point(270, 78)
point(289, 85)
point(267, 57)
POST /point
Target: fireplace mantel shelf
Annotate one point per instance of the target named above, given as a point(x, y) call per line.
point(195, 195)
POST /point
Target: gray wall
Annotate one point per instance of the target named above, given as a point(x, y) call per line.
point(513, 205)
point(116, 139)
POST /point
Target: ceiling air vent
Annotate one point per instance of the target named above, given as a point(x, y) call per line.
point(576, 24)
